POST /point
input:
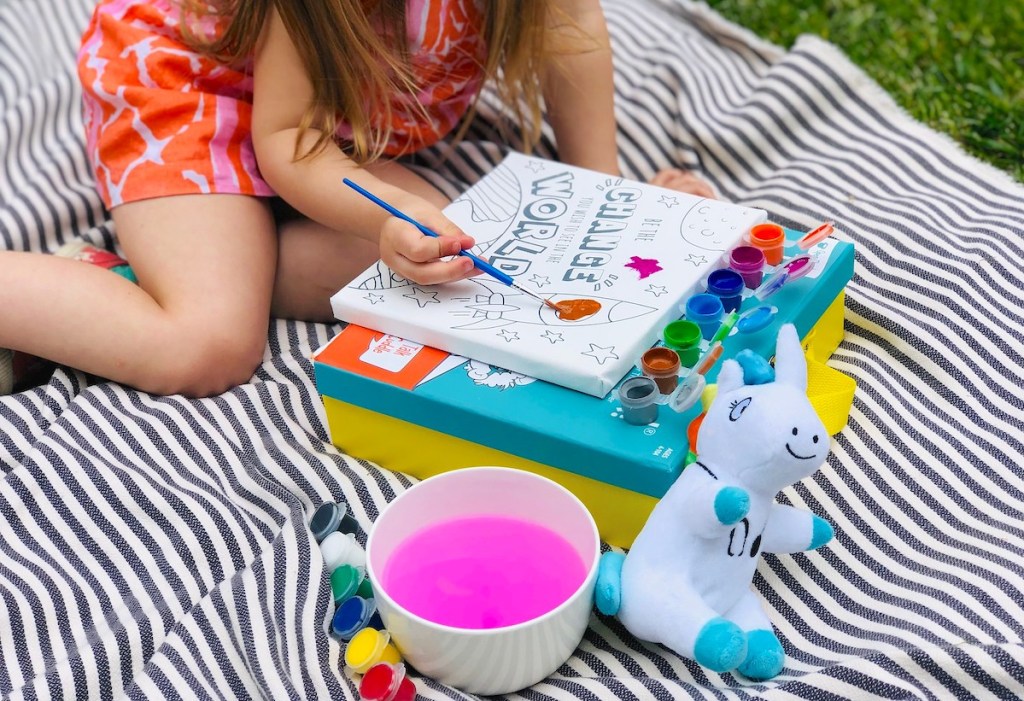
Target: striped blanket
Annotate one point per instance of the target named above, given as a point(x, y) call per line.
point(158, 547)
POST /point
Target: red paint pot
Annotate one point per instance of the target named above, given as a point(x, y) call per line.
point(386, 682)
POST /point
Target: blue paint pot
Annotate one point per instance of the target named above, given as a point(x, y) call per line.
point(705, 310)
point(727, 285)
point(756, 319)
point(354, 614)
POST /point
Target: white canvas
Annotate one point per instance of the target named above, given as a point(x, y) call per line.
point(562, 233)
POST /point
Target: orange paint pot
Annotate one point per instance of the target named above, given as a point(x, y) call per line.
point(770, 239)
point(661, 365)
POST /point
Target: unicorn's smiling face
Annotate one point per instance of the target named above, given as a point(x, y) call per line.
point(768, 434)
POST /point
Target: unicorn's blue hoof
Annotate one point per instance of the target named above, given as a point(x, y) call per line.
point(764, 655)
point(822, 533)
point(608, 591)
point(721, 645)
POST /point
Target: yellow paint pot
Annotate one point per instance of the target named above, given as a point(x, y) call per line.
point(368, 647)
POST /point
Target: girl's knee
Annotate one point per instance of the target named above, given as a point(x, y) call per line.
point(205, 364)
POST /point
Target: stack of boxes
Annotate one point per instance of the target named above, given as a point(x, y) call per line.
point(415, 409)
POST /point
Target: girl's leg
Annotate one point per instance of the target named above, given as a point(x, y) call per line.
point(195, 324)
point(314, 262)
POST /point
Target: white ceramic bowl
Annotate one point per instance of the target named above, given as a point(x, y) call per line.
point(494, 660)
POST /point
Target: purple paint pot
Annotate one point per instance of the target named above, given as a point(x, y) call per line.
point(727, 285)
point(749, 263)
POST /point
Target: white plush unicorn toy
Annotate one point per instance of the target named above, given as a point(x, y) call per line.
point(686, 582)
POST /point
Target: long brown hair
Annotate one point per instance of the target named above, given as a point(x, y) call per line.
point(356, 56)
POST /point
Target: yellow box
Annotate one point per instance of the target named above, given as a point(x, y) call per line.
point(422, 452)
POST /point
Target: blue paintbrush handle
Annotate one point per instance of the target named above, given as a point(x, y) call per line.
point(479, 263)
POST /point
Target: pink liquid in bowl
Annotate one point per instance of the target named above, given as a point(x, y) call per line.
point(483, 572)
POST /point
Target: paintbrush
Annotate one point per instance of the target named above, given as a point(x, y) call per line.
point(478, 263)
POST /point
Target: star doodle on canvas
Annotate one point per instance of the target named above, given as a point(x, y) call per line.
point(668, 200)
point(553, 336)
point(600, 353)
point(540, 280)
point(373, 299)
point(696, 260)
point(423, 297)
point(535, 166)
point(509, 335)
point(657, 290)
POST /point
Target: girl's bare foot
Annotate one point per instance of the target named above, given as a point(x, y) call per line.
point(683, 181)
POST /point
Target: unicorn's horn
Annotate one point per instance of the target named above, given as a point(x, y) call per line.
point(790, 364)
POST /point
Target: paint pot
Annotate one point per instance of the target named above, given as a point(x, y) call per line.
point(771, 239)
point(345, 583)
point(661, 365)
point(793, 269)
point(687, 393)
point(355, 614)
point(369, 647)
point(748, 261)
point(708, 396)
point(726, 328)
point(332, 517)
point(727, 285)
point(693, 430)
point(342, 549)
point(684, 338)
point(638, 396)
point(365, 589)
point(756, 319)
point(385, 681)
point(706, 311)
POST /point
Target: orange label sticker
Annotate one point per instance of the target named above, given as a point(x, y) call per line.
point(381, 356)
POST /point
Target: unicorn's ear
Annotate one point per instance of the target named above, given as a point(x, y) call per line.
point(790, 363)
point(730, 377)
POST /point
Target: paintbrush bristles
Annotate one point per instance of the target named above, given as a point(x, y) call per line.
point(546, 302)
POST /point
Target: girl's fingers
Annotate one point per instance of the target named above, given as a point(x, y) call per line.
point(420, 248)
point(434, 272)
point(683, 181)
point(661, 178)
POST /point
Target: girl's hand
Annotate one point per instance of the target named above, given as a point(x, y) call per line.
point(683, 181)
point(416, 256)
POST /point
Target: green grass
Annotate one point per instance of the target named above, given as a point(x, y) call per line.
point(956, 66)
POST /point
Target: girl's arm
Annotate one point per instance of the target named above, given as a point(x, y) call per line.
point(578, 90)
point(579, 96)
point(281, 93)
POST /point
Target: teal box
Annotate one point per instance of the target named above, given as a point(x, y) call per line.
point(569, 430)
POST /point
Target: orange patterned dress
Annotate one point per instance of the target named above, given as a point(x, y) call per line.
point(164, 120)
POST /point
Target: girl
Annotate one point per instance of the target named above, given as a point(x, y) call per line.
point(220, 132)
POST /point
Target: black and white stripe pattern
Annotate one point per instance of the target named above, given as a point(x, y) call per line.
point(157, 547)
